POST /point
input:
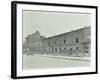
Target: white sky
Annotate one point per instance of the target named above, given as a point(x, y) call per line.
point(52, 23)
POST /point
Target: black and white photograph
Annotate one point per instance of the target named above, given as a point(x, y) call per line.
point(53, 39)
point(56, 39)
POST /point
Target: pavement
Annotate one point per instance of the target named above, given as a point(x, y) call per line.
point(80, 58)
point(38, 61)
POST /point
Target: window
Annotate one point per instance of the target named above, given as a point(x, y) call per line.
point(64, 48)
point(64, 41)
point(77, 40)
point(55, 49)
point(49, 49)
point(46, 50)
point(52, 49)
point(86, 47)
point(70, 49)
point(60, 50)
point(77, 48)
point(87, 51)
point(48, 44)
point(55, 43)
point(35, 50)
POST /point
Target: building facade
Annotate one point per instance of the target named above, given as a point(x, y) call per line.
point(33, 44)
point(74, 43)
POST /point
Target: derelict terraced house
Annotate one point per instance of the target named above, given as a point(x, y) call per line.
point(74, 43)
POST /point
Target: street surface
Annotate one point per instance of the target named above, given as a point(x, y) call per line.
point(39, 62)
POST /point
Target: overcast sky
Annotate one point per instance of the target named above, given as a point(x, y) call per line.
point(52, 23)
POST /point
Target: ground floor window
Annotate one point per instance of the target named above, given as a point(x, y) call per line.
point(55, 49)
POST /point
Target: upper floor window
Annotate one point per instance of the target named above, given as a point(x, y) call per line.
point(48, 44)
point(64, 41)
point(77, 40)
point(55, 43)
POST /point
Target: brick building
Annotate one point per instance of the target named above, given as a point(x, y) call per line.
point(74, 43)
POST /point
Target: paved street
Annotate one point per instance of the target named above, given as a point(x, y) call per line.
point(39, 61)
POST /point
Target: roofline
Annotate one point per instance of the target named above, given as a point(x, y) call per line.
point(67, 32)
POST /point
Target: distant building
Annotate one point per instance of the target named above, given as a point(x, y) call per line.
point(33, 43)
point(74, 43)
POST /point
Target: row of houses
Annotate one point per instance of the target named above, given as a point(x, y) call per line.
point(73, 43)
